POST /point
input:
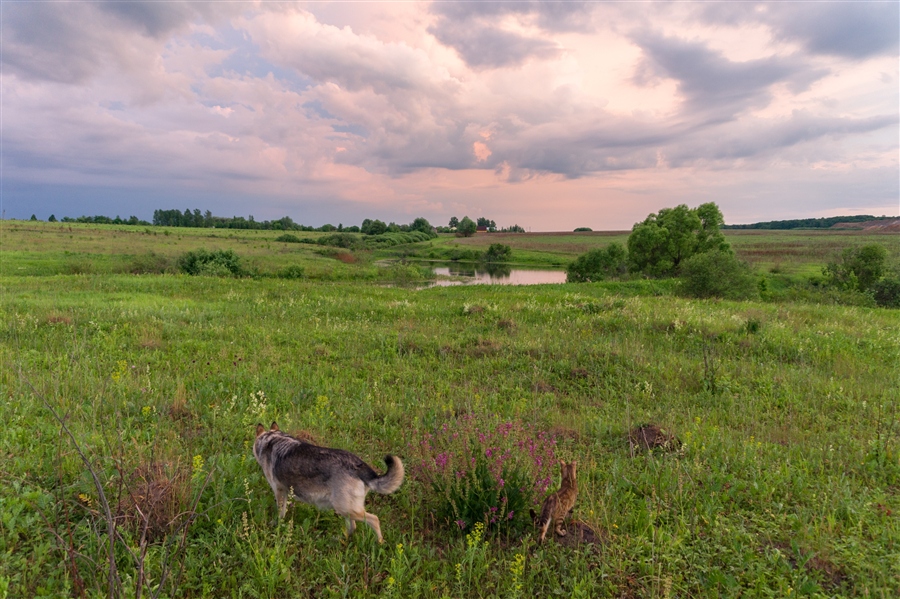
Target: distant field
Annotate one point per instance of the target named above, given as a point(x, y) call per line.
point(50, 248)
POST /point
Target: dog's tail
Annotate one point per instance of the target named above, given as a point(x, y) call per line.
point(391, 480)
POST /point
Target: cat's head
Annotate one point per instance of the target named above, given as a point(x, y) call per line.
point(568, 470)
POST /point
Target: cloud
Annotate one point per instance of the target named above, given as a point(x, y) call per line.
point(72, 42)
point(855, 30)
point(486, 46)
point(711, 84)
point(490, 35)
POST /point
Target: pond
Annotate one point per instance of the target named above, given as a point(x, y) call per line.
point(495, 274)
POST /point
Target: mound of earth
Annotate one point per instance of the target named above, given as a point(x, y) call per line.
point(651, 436)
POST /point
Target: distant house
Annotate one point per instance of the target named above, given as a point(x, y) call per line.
point(481, 230)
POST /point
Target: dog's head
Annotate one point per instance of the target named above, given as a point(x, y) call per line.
point(260, 429)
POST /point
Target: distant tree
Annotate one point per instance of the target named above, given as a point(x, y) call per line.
point(513, 229)
point(466, 227)
point(486, 223)
point(598, 264)
point(858, 269)
point(497, 252)
point(52, 219)
point(583, 229)
point(373, 227)
point(658, 245)
point(327, 228)
point(33, 217)
point(421, 224)
point(454, 222)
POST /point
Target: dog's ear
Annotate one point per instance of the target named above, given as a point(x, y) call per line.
point(274, 426)
point(260, 429)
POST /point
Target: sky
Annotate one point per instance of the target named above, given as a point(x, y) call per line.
point(548, 115)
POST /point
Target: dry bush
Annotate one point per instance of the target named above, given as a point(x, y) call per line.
point(154, 496)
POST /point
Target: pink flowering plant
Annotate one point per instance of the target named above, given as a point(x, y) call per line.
point(490, 472)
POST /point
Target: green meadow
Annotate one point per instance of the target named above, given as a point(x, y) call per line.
point(130, 405)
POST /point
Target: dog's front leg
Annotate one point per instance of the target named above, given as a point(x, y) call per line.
point(281, 498)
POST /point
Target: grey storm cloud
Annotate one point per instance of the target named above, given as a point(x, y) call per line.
point(760, 139)
point(470, 28)
point(486, 46)
point(712, 84)
point(68, 42)
point(849, 29)
point(853, 30)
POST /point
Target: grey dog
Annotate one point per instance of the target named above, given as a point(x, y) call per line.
point(324, 477)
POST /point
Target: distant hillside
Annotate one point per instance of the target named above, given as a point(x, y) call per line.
point(862, 221)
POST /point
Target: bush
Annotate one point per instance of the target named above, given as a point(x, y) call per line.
point(288, 238)
point(497, 252)
point(717, 274)
point(858, 269)
point(294, 271)
point(150, 263)
point(218, 263)
point(887, 292)
point(342, 240)
point(598, 264)
point(583, 229)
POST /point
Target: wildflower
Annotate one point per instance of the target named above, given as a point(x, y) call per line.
point(197, 466)
point(462, 525)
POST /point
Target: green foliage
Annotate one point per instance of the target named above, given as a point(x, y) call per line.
point(466, 227)
point(887, 292)
point(598, 264)
point(288, 238)
point(373, 227)
point(717, 274)
point(422, 225)
point(52, 218)
point(293, 271)
point(151, 263)
point(342, 240)
point(497, 252)
point(583, 229)
point(219, 263)
point(658, 245)
point(858, 269)
point(33, 217)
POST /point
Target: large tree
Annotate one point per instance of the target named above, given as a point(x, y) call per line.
point(466, 227)
point(658, 245)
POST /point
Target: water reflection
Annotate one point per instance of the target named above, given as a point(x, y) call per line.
point(495, 274)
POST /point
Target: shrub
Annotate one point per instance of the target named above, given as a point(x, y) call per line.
point(150, 263)
point(294, 271)
point(583, 229)
point(598, 264)
point(497, 252)
point(717, 274)
point(342, 240)
point(288, 238)
point(219, 263)
point(859, 268)
point(490, 474)
point(887, 292)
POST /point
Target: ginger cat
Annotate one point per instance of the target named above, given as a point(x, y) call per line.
point(559, 504)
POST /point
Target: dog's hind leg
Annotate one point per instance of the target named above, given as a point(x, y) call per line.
point(372, 520)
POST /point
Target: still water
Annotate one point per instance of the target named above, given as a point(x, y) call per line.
point(467, 274)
